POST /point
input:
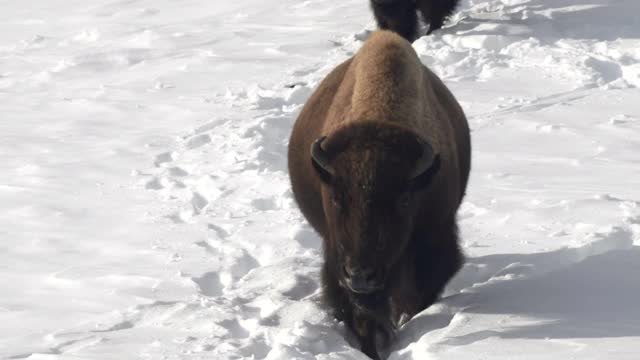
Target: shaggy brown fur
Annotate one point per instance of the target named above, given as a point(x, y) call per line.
point(378, 111)
point(401, 15)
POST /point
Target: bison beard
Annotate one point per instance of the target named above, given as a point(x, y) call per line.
point(401, 15)
point(379, 160)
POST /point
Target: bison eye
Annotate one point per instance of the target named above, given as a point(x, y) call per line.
point(336, 203)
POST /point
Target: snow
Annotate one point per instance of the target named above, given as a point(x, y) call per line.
point(145, 210)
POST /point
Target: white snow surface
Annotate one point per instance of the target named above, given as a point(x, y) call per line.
point(145, 209)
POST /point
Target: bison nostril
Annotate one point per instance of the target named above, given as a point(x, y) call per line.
point(362, 273)
point(361, 280)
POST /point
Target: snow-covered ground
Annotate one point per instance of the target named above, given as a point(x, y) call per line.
point(145, 211)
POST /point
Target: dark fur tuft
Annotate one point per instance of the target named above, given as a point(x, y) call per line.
point(401, 17)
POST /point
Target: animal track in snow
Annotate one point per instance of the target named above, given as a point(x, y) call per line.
point(307, 238)
point(236, 330)
point(159, 183)
point(177, 172)
point(199, 202)
point(209, 284)
point(240, 264)
point(304, 286)
point(164, 158)
point(197, 141)
point(219, 231)
point(271, 135)
point(154, 184)
point(123, 325)
point(264, 204)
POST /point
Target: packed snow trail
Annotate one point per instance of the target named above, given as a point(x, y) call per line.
point(146, 210)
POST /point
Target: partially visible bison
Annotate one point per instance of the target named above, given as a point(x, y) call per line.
point(379, 160)
point(401, 15)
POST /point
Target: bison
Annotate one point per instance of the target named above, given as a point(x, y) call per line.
point(401, 15)
point(379, 160)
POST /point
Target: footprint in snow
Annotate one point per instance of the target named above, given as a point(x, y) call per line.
point(206, 127)
point(264, 204)
point(304, 286)
point(237, 263)
point(218, 230)
point(308, 238)
point(270, 136)
point(164, 158)
point(514, 270)
point(209, 284)
point(199, 203)
point(182, 217)
point(159, 183)
point(235, 329)
point(177, 172)
point(154, 184)
point(197, 141)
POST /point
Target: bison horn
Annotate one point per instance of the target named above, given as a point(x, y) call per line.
point(425, 162)
point(320, 157)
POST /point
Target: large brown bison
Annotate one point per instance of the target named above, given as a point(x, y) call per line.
point(379, 160)
point(401, 15)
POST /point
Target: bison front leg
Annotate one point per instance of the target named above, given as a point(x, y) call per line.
point(360, 323)
point(438, 259)
point(366, 331)
point(364, 317)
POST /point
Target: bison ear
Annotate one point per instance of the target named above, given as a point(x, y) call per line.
point(422, 180)
point(320, 161)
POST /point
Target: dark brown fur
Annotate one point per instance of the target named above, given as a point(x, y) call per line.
point(401, 15)
point(378, 109)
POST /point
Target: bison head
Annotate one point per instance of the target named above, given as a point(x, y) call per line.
point(374, 176)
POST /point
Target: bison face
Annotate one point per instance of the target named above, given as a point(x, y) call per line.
point(371, 195)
